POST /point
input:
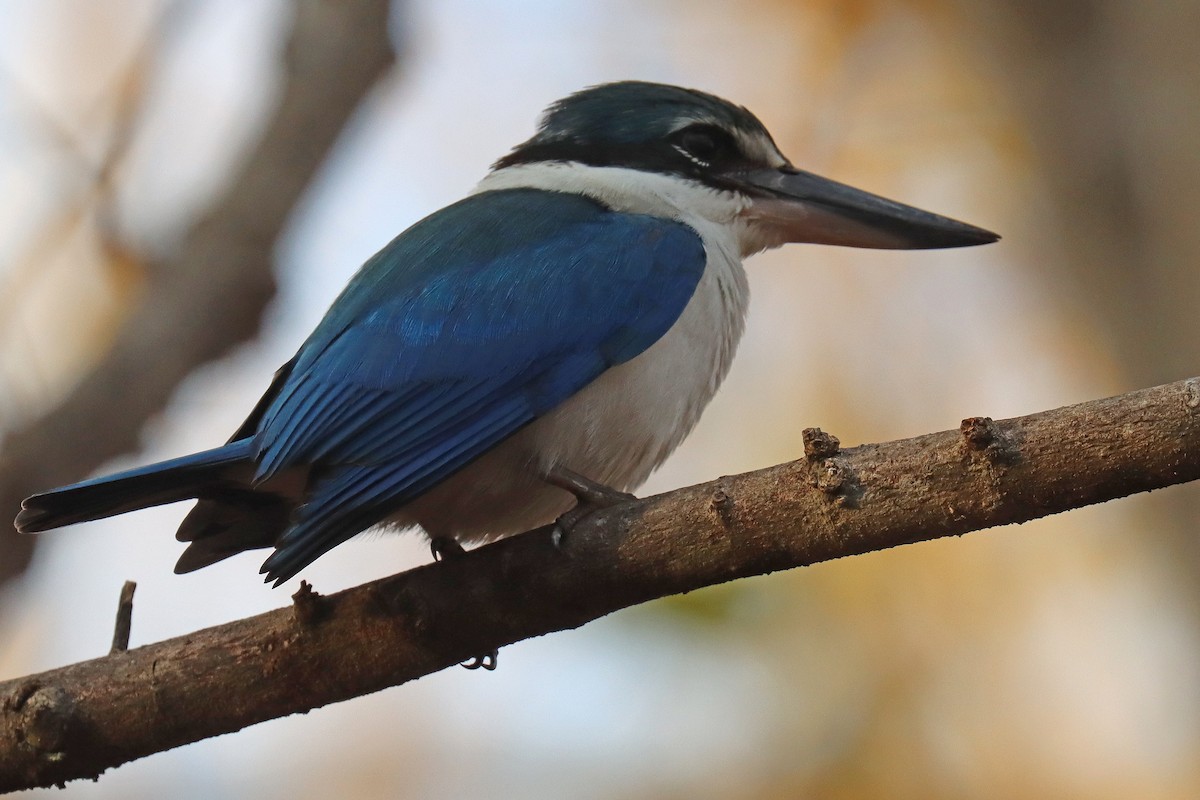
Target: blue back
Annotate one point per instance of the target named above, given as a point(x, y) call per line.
point(465, 328)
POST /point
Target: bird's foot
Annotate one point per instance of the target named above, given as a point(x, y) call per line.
point(445, 548)
point(590, 497)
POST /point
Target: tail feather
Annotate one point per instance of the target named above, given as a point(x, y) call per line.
point(153, 485)
point(229, 524)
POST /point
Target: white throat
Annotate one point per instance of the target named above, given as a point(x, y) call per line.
point(720, 217)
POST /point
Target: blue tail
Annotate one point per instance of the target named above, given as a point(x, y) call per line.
point(154, 485)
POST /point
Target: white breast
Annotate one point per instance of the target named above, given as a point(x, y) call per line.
point(624, 424)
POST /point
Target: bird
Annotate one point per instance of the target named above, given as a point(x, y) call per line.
point(527, 354)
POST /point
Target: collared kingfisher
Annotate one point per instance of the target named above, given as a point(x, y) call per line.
point(524, 355)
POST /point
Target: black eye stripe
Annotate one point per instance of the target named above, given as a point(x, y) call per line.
point(695, 151)
point(705, 143)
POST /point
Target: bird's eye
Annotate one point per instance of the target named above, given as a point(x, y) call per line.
point(704, 144)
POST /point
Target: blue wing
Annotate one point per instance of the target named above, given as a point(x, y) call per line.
point(465, 328)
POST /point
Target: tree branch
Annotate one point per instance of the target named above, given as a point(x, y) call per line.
point(209, 295)
point(79, 720)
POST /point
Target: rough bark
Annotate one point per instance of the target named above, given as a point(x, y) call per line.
point(80, 720)
point(209, 296)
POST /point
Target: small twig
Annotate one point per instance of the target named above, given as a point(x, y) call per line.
point(120, 641)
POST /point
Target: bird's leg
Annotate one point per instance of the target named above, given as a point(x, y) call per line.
point(590, 496)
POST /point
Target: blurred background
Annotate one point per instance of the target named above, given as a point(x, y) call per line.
point(184, 187)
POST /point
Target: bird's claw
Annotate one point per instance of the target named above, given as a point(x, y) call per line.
point(445, 548)
point(486, 661)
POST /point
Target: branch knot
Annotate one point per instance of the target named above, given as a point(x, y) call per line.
point(818, 444)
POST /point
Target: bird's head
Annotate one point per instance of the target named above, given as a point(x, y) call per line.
point(718, 151)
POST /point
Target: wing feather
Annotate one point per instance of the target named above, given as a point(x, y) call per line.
point(464, 329)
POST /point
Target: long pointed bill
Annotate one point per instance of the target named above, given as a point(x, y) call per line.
point(797, 206)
